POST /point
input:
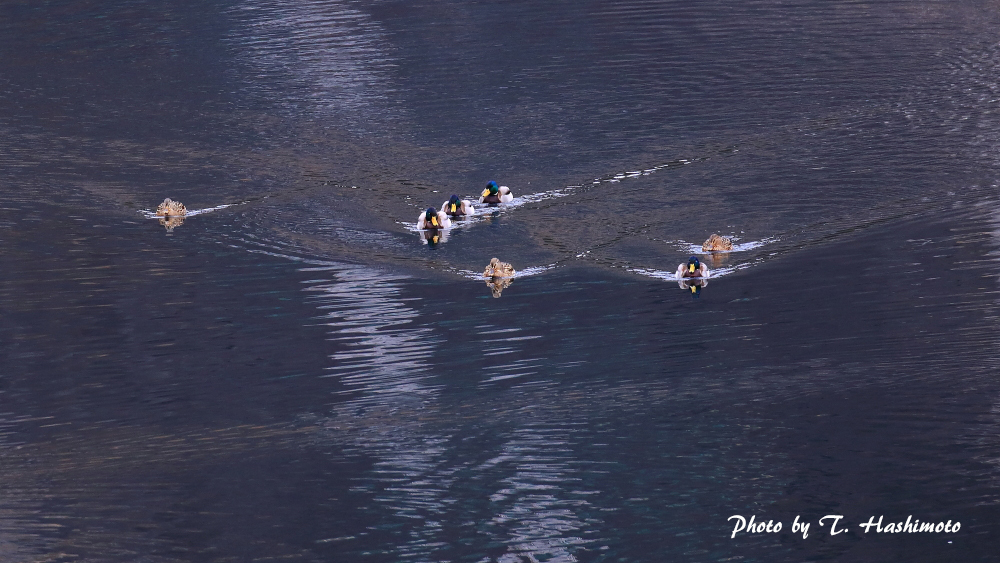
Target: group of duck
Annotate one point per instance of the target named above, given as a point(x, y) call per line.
point(455, 207)
point(498, 274)
point(434, 220)
point(694, 275)
point(691, 275)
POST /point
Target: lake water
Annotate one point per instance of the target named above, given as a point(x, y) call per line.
point(294, 373)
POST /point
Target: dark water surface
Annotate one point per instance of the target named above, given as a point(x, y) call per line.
point(292, 374)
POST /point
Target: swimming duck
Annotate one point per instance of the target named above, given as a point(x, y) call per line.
point(456, 207)
point(496, 194)
point(498, 269)
point(171, 208)
point(693, 269)
point(715, 243)
point(433, 219)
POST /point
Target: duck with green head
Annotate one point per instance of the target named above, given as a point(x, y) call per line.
point(496, 194)
point(433, 219)
point(457, 207)
point(693, 269)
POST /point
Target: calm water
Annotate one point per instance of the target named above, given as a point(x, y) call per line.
point(293, 374)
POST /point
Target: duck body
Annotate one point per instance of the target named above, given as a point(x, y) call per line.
point(496, 194)
point(433, 220)
point(171, 208)
point(456, 207)
point(498, 276)
point(692, 269)
point(498, 269)
point(716, 243)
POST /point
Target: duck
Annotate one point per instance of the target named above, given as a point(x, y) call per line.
point(457, 207)
point(171, 208)
point(496, 194)
point(716, 243)
point(433, 219)
point(498, 269)
point(693, 269)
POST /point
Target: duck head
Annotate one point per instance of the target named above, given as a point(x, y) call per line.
point(491, 189)
point(693, 264)
point(431, 218)
point(454, 204)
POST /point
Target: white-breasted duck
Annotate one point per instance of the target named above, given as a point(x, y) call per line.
point(496, 194)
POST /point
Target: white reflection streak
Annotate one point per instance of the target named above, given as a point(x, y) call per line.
point(541, 520)
point(334, 52)
point(386, 354)
point(387, 361)
point(21, 536)
point(416, 485)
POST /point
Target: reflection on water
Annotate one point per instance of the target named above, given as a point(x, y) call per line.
point(498, 284)
point(716, 260)
point(692, 285)
point(170, 223)
point(583, 417)
point(326, 55)
point(291, 376)
point(433, 237)
point(386, 356)
point(540, 505)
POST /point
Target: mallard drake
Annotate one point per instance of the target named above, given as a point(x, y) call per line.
point(693, 269)
point(456, 207)
point(496, 194)
point(433, 219)
point(171, 208)
point(716, 243)
point(498, 269)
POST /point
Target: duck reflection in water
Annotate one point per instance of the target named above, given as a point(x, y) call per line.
point(170, 222)
point(693, 285)
point(498, 276)
point(433, 237)
point(716, 259)
point(497, 285)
